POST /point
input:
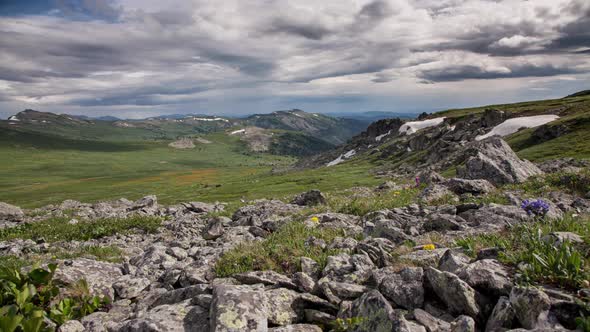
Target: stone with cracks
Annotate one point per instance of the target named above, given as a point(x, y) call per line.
point(459, 297)
point(488, 276)
point(376, 314)
point(238, 308)
point(492, 159)
point(265, 277)
point(502, 316)
point(99, 275)
point(213, 230)
point(529, 304)
point(464, 186)
point(128, 287)
point(405, 288)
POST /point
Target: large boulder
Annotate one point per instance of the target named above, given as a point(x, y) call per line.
point(492, 159)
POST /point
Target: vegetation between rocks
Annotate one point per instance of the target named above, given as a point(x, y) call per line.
point(59, 229)
point(279, 252)
point(539, 259)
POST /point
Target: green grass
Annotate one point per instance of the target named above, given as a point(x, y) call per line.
point(58, 229)
point(34, 174)
point(280, 252)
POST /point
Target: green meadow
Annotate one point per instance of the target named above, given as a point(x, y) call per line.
point(36, 170)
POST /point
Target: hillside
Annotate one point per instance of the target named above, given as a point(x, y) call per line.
point(387, 144)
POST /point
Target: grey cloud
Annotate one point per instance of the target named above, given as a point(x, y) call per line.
point(574, 34)
point(309, 30)
point(464, 72)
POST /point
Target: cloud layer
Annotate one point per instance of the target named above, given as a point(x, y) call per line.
point(140, 57)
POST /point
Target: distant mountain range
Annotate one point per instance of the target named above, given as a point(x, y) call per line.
point(292, 132)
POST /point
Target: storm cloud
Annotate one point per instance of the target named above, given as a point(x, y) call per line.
point(236, 56)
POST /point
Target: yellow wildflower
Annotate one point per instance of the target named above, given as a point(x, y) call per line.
point(429, 246)
point(315, 219)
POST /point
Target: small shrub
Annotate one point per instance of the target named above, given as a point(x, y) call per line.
point(28, 299)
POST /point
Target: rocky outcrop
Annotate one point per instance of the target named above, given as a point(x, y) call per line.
point(492, 159)
point(10, 213)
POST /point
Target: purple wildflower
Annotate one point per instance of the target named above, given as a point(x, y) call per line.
point(538, 208)
point(417, 181)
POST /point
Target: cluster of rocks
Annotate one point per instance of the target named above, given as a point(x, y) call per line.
point(168, 282)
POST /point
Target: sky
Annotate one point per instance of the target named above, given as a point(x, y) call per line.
point(139, 58)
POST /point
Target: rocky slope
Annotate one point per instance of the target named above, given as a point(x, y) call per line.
point(395, 269)
point(542, 129)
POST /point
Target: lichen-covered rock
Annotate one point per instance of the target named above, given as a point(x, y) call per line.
point(71, 326)
point(425, 257)
point(431, 323)
point(99, 275)
point(213, 230)
point(474, 187)
point(405, 288)
point(529, 304)
point(376, 314)
point(463, 324)
point(128, 287)
point(265, 277)
point(437, 192)
point(502, 316)
point(488, 276)
point(453, 261)
point(296, 328)
point(459, 297)
point(179, 317)
point(238, 308)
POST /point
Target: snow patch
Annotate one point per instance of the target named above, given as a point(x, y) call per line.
point(413, 126)
point(511, 126)
point(341, 158)
point(210, 119)
point(13, 118)
point(240, 131)
point(315, 114)
point(378, 138)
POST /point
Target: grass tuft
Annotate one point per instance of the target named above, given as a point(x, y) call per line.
point(279, 252)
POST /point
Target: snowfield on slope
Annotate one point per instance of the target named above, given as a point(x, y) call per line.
point(413, 126)
point(239, 131)
point(341, 158)
point(511, 126)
